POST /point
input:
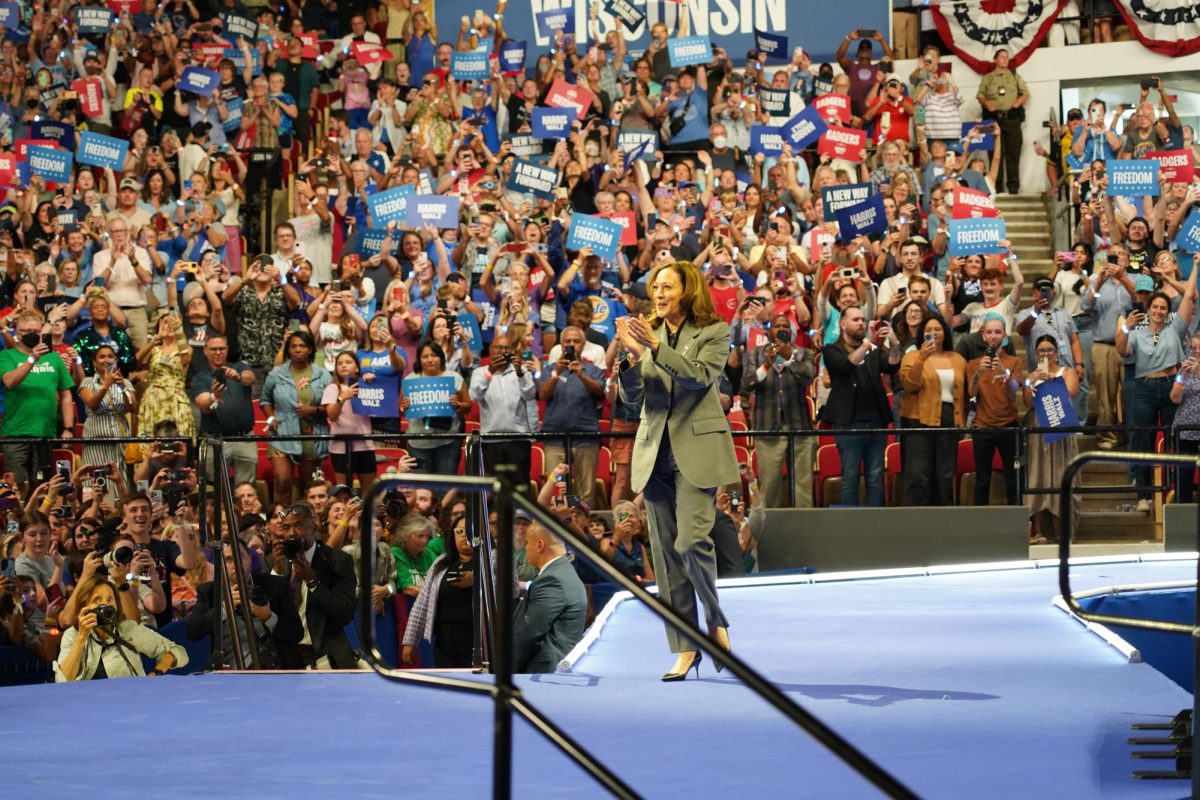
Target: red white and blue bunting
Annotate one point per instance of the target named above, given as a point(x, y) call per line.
point(976, 30)
point(1170, 27)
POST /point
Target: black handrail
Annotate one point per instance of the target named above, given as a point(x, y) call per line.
point(224, 504)
point(1064, 570)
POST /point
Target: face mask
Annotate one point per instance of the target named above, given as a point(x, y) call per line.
point(720, 142)
point(543, 68)
point(30, 340)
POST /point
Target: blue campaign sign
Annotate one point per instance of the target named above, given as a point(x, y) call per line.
point(468, 325)
point(524, 145)
point(529, 178)
point(10, 16)
point(772, 44)
point(862, 219)
point(638, 152)
point(1054, 408)
point(766, 140)
point(835, 198)
point(552, 123)
point(233, 122)
point(379, 398)
point(1132, 178)
point(555, 19)
point(61, 132)
point(471, 66)
point(429, 397)
point(239, 27)
point(512, 56)
point(371, 241)
point(804, 129)
point(199, 80)
point(629, 142)
point(629, 14)
point(434, 209)
point(1188, 237)
point(238, 58)
point(53, 165)
point(687, 50)
point(986, 141)
point(602, 235)
point(92, 19)
point(102, 151)
point(976, 236)
point(389, 206)
point(774, 102)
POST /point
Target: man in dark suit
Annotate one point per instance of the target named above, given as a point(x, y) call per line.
point(322, 582)
point(549, 620)
point(276, 623)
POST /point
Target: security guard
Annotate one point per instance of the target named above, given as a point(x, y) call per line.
point(1003, 95)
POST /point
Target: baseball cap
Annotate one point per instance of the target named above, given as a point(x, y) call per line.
point(131, 183)
point(522, 514)
point(1143, 283)
point(636, 289)
point(1043, 283)
point(201, 129)
point(336, 490)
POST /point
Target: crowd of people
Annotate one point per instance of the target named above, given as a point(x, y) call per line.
point(135, 304)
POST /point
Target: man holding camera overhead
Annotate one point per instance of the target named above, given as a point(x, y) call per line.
point(1003, 95)
point(572, 389)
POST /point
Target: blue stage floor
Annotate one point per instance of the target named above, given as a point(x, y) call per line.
point(963, 685)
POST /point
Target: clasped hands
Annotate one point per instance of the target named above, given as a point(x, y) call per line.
point(636, 335)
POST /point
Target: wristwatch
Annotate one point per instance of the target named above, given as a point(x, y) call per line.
point(30, 360)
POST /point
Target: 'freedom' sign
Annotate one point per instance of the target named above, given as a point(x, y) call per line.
point(1188, 237)
point(530, 178)
point(433, 209)
point(972, 204)
point(551, 123)
point(198, 80)
point(379, 398)
point(471, 66)
point(803, 129)
point(766, 140)
point(98, 150)
point(687, 50)
point(1132, 178)
point(53, 165)
point(1176, 166)
point(847, 143)
point(602, 235)
point(835, 198)
point(389, 206)
point(429, 397)
point(970, 237)
point(862, 219)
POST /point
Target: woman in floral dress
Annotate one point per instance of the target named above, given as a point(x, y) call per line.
point(167, 354)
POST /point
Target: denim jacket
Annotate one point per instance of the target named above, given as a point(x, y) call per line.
point(279, 391)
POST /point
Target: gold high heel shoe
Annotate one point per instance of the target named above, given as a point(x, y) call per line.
point(721, 637)
point(683, 666)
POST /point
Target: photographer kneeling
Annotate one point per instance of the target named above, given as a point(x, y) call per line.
point(102, 645)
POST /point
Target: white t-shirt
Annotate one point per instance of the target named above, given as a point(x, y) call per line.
point(975, 312)
point(887, 289)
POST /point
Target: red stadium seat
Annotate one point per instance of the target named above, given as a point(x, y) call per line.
point(537, 463)
point(891, 473)
point(829, 467)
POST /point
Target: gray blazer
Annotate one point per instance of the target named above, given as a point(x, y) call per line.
point(678, 391)
point(548, 621)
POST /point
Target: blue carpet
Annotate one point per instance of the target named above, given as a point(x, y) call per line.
point(1169, 653)
point(965, 686)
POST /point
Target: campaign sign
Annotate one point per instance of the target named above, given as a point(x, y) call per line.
point(765, 139)
point(239, 27)
point(10, 16)
point(21, 146)
point(834, 108)
point(434, 209)
point(102, 151)
point(469, 327)
point(985, 141)
point(821, 86)
point(311, 46)
point(429, 397)
point(1133, 177)
point(371, 242)
point(628, 222)
point(379, 398)
point(8, 169)
point(687, 50)
point(512, 56)
point(526, 146)
point(367, 53)
point(803, 129)
point(208, 53)
point(774, 102)
point(972, 204)
point(51, 93)
point(638, 152)
point(61, 133)
point(1188, 237)
point(238, 58)
point(1054, 408)
point(534, 179)
point(627, 12)
point(199, 80)
point(559, 19)
point(774, 46)
point(53, 165)
point(471, 66)
point(390, 205)
point(835, 198)
point(1176, 166)
point(631, 142)
point(233, 122)
point(970, 237)
point(847, 143)
point(90, 19)
point(91, 95)
point(602, 235)
point(862, 219)
point(125, 6)
point(551, 123)
point(564, 95)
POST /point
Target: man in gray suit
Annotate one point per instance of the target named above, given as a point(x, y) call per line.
point(549, 620)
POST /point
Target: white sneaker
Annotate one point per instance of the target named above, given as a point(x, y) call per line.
point(1143, 506)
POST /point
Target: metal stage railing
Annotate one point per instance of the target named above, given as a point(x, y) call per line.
point(508, 698)
point(1067, 488)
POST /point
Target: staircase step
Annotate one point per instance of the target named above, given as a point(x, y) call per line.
point(1117, 524)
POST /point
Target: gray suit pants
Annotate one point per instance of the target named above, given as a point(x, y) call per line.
point(681, 521)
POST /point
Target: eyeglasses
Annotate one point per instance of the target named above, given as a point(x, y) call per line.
point(1046, 351)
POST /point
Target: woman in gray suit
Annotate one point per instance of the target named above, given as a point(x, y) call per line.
point(684, 449)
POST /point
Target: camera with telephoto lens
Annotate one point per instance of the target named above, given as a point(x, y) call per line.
point(259, 596)
point(121, 557)
point(292, 548)
point(106, 616)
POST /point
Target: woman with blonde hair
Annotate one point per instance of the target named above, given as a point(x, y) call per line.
point(336, 326)
point(167, 355)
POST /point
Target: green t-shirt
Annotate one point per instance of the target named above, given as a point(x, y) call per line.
point(31, 407)
point(412, 571)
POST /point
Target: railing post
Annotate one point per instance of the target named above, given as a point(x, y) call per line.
point(502, 646)
point(791, 470)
